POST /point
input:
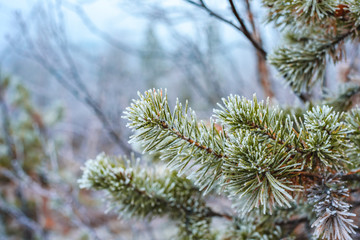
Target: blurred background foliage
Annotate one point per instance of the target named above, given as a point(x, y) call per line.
point(69, 69)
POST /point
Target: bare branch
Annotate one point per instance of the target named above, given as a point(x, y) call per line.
point(245, 31)
point(213, 14)
point(76, 88)
point(251, 17)
point(242, 29)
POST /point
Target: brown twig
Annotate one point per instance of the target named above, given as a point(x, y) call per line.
point(351, 176)
point(295, 221)
point(309, 174)
point(353, 172)
point(212, 213)
point(245, 31)
point(251, 18)
point(261, 60)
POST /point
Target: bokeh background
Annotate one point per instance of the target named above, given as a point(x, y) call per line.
point(68, 70)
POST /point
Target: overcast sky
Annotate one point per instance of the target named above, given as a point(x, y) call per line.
point(112, 16)
point(105, 14)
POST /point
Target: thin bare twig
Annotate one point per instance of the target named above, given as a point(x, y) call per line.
point(253, 37)
point(352, 176)
point(245, 31)
point(242, 28)
point(76, 88)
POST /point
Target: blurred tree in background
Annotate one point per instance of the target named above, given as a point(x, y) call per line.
point(92, 57)
point(23, 156)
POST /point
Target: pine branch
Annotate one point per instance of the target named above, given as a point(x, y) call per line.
point(191, 141)
point(320, 141)
point(264, 151)
point(354, 8)
point(302, 64)
point(195, 228)
point(265, 158)
point(261, 119)
point(134, 192)
point(333, 213)
point(301, 67)
point(184, 142)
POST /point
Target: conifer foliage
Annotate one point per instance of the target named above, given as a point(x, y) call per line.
point(261, 158)
point(280, 169)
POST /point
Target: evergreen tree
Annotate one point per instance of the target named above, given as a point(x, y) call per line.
point(283, 170)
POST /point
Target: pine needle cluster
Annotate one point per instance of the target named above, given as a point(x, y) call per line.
point(333, 213)
point(316, 31)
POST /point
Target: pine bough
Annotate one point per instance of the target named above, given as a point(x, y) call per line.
point(254, 154)
point(281, 170)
